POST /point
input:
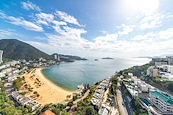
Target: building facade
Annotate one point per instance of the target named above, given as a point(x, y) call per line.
point(160, 63)
point(170, 60)
point(153, 71)
point(1, 52)
point(162, 101)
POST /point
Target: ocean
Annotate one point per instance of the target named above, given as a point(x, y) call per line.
point(70, 74)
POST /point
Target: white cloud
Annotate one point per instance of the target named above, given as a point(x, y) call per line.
point(30, 6)
point(126, 29)
point(151, 21)
point(42, 22)
point(45, 47)
point(111, 38)
point(71, 42)
point(5, 33)
point(166, 34)
point(73, 32)
point(145, 37)
point(22, 22)
point(67, 18)
point(45, 17)
point(155, 36)
point(67, 38)
point(58, 23)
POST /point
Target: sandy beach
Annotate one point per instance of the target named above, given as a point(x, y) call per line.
point(39, 88)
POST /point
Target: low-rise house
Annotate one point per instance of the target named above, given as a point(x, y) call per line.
point(98, 96)
point(104, 111)
point(99, 93)
point(48, 112)
point(96, 102)
point(167, 76)
point(25, 101)
point(12, 77)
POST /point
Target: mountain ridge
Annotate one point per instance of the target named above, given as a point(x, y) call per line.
point(16, 49)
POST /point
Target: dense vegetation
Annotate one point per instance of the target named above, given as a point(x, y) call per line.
point(158, 82)
point(137, 109)
point(18, 83)
point(85, 108)
point(113, 87)
point(137, 70)
point(15, 49)
point(7, 106)
point(58, 109)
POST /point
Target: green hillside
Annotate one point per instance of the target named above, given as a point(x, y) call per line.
point(15, 49)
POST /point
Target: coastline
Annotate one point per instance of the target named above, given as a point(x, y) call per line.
point(55, 83)
point(43, 90)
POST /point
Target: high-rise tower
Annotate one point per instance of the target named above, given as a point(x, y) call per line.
point(1, 52)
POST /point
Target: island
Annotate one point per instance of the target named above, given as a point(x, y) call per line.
point(107, 58)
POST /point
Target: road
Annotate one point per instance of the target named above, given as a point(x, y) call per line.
point(128, 106)
point(121, 105)
point(114, 110)
point(83, 97)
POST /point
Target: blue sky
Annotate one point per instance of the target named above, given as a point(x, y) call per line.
point(98, 28)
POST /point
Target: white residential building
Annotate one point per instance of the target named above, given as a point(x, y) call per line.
point(55, 56)
point(25, 101)
point(170, 69)
point(166, 68)
point(144, 87)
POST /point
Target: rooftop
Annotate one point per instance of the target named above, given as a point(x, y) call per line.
point(104, 111)
point(48, 112)
point(163, 97)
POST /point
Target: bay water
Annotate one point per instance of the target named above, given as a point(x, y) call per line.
point(69, 75)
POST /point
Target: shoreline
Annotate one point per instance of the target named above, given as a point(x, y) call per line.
point(55, 83)
point(43, 90)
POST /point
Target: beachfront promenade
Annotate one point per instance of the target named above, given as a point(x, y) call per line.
point(83, 97)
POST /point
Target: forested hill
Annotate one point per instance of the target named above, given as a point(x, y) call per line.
point(15, 49)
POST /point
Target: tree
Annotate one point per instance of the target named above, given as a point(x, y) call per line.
point(89, 110)
point(70, 104)
point(170, 86)
point(46, 107)
point(68, 97)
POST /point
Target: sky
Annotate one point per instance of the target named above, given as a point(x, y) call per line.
point(91, 28)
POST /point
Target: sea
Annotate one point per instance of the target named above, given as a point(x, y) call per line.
point(69, 75)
